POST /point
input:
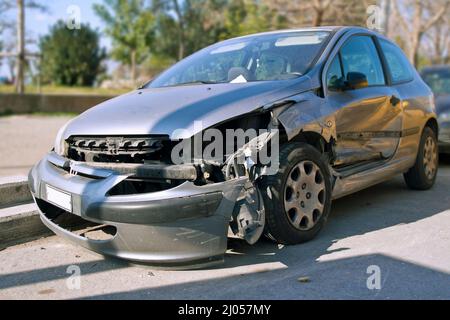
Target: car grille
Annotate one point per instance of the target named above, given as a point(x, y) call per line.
point(119, 149)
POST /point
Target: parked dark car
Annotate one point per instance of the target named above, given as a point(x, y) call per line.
point(335, 110)
point(4, 80)
point(438, 78)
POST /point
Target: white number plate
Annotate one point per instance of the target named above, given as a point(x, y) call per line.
point(59, 198)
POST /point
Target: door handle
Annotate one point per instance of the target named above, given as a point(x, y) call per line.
point(395, 101)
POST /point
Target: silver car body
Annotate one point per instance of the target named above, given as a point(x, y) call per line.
point(187, 225)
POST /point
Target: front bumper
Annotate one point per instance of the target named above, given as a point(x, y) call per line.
point(182, 227)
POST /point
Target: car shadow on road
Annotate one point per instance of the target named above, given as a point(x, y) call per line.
point(339, 279)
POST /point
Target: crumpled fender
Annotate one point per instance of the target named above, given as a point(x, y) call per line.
point(308, 113)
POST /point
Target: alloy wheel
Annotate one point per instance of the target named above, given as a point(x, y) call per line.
point(430, 158)
point(304, 195)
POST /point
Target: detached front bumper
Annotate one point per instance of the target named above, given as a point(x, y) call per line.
point(185, 226)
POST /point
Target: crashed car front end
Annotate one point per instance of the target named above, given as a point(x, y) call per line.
point(124, 197)
point(178, 223)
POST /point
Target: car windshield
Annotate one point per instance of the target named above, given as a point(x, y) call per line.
point(439, 81)
point(277, 56)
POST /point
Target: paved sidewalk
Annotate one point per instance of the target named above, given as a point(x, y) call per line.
point(25, 140)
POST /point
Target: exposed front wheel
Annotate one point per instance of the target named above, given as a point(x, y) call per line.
point(298, 198)
point(423, 175)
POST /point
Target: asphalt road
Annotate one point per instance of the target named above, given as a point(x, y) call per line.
point(25, 140)
point(403, 234)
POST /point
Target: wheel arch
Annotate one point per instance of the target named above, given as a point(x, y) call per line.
point(433, 124)
point(313, 138)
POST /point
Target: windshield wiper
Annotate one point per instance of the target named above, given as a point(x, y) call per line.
point(195, 82)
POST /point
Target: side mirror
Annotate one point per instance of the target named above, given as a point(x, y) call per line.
point(357, 80)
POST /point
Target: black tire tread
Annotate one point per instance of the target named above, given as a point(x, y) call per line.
point(415, 178)
point(275, 230)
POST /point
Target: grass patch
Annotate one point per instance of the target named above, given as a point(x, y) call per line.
point(54, 114)
point(6, 113)
point(9, 113)
point(66, 90)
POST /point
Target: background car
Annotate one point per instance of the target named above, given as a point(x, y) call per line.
point(438, 78)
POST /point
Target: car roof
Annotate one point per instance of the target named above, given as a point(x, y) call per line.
point(331, 29)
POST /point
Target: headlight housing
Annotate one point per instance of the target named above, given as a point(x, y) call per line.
point(61, 145)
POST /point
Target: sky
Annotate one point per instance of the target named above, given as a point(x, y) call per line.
point(38, 23)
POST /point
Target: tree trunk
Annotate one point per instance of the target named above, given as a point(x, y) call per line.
point(414, 50)
point(20, 81)
point(133, 66)
point(387, 15)
point(318, 17)
point(437, 46)
point(181, 37)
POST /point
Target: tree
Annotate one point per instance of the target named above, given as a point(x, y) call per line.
point(415, 22)
point(249, 16)
point(437, 41)
point(320, 12)
point(184, 26)
point(130, 24)
point(71, 57)
point(21, 55)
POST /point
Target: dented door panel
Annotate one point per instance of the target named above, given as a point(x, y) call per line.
point(368, 125)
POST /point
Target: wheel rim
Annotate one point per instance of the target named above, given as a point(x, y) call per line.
point(304, 195)
point(430, 158)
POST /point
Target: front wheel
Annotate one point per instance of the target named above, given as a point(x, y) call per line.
point(423, 175)
point(298, 198)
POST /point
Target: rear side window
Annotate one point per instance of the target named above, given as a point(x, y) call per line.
point(398, 64)
point(360, 54)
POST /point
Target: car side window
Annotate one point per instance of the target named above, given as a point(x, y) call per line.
point(335, 76)
point(399, 66)
point(360, 54)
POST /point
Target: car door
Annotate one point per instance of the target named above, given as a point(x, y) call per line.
point(368, 118)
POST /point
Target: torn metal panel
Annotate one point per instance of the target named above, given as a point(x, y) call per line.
point(309, 113)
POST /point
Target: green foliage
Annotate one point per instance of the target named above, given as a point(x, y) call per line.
point(244, 17)
point(71, 57)
point(130, 25)
point(160, 32)
point(185, 26)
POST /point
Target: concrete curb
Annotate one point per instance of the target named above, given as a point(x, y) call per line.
point(21, 224)
point(19, 216)
point(14, 190)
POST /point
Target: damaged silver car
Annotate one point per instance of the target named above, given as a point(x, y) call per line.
point(252, 136)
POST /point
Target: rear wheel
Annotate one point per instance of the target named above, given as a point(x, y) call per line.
point(298, 198)
point(423, 175)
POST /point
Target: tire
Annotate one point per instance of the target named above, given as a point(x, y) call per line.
point(423, 175)
point(286, 221)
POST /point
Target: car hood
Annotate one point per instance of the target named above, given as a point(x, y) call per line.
point(442, 104)
point(193, 108)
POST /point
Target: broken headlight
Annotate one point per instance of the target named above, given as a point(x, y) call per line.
point(61, 145)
